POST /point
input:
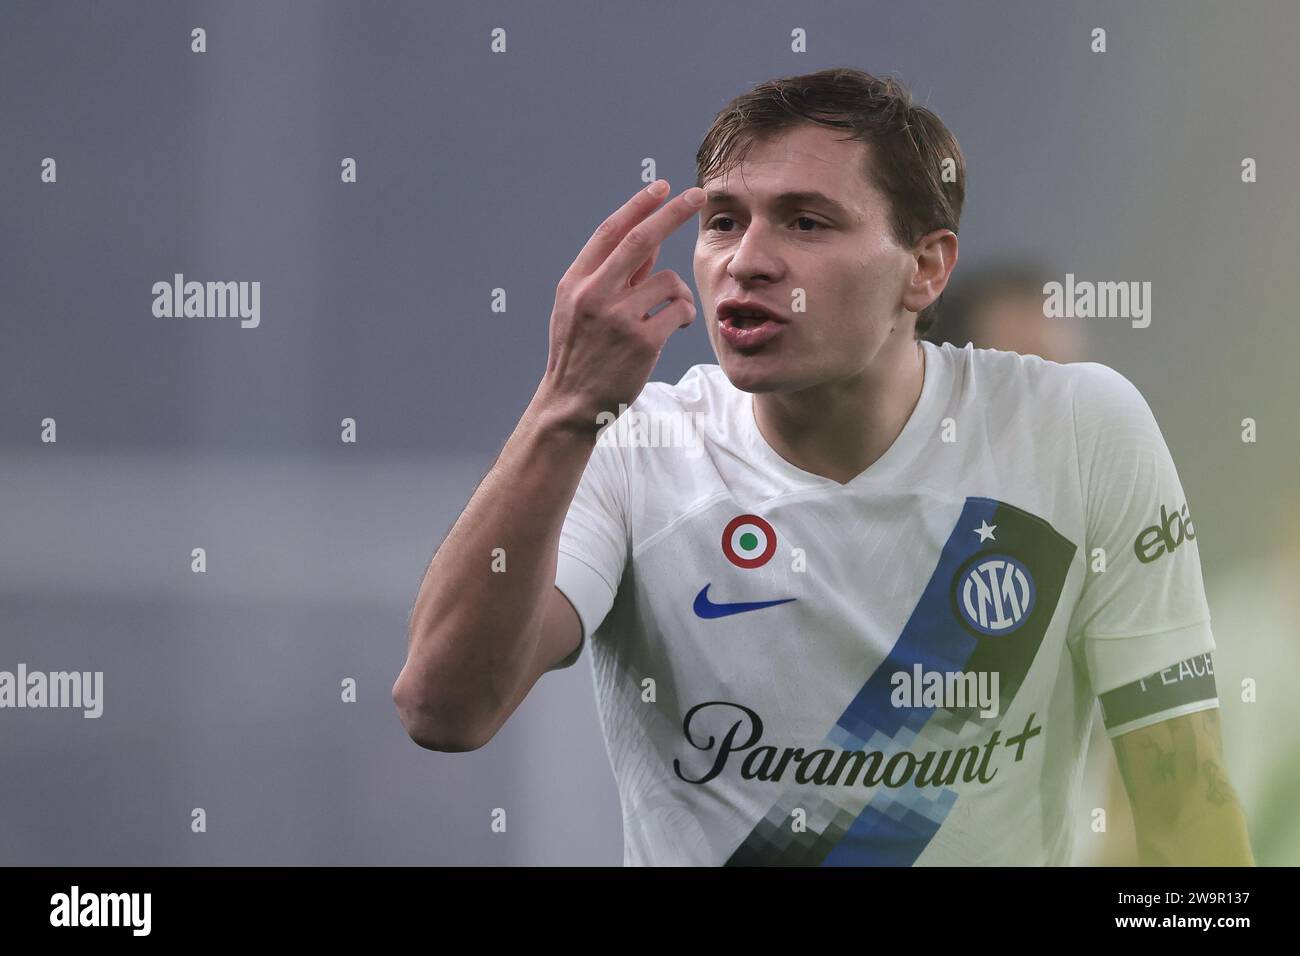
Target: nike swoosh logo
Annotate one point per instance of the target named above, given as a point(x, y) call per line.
point(707, 609)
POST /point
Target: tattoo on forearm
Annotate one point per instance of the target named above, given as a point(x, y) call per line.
point(1161, 762)
point(1218, 790)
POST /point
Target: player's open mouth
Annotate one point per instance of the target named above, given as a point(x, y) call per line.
point(747, 320)
point(747, 323)
point(743, 331)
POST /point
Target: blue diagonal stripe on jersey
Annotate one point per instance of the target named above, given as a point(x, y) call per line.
point(895, 827)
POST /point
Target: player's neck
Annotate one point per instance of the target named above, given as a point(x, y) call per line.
point(839, 429)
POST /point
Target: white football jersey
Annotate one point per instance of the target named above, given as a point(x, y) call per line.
point(900, 670)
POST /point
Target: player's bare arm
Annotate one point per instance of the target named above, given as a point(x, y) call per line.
point(1185, 811)
point(480, 638)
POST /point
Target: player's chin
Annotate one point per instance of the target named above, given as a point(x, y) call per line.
point(754, 371)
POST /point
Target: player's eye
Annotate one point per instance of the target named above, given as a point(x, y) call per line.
point(716, 219)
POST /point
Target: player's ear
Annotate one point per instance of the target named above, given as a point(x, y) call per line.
point(935, 255)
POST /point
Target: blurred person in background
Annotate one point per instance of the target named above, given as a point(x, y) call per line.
point(1001, 307)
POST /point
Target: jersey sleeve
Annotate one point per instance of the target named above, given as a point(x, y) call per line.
point(1142, 624)
point(594, 540)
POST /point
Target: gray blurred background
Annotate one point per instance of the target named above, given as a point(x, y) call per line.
point(479, 170)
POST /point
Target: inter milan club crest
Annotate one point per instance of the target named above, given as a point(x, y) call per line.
point(748, 541)
point(993, 593)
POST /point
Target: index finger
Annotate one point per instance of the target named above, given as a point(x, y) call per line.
point(627, 257)
point(615, 227)
point(606, 239)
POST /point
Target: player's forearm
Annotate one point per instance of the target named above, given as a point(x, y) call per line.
point(476, 621)
point(1207, 832)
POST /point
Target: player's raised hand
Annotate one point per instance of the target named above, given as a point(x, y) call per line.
point(603, 343)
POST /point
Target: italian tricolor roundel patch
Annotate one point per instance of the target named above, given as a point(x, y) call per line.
point(748, 541)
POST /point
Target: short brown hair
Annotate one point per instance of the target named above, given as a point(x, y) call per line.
point(908, 143)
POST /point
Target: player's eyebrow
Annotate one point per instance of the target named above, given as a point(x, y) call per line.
point(803, 197)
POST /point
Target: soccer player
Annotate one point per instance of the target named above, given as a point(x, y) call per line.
point(850, 596)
